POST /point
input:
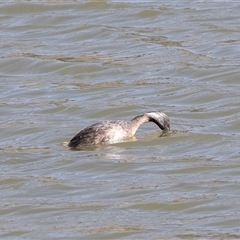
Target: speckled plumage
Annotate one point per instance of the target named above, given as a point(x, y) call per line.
point(113, 131)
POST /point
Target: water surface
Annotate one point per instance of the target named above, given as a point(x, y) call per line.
point(65, 65)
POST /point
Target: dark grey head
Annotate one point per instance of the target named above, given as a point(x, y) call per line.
point(159, 118)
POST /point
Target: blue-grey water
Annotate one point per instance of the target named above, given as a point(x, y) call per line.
point(67, 64)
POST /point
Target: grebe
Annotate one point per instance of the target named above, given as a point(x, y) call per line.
point(114, 131)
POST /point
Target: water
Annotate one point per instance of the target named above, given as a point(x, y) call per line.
point(65, 65)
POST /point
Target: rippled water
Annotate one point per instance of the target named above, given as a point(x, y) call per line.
point(65, 65)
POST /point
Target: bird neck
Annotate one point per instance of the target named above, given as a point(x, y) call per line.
point(137, 122)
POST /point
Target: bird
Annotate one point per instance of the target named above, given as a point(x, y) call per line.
point(114, 131)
